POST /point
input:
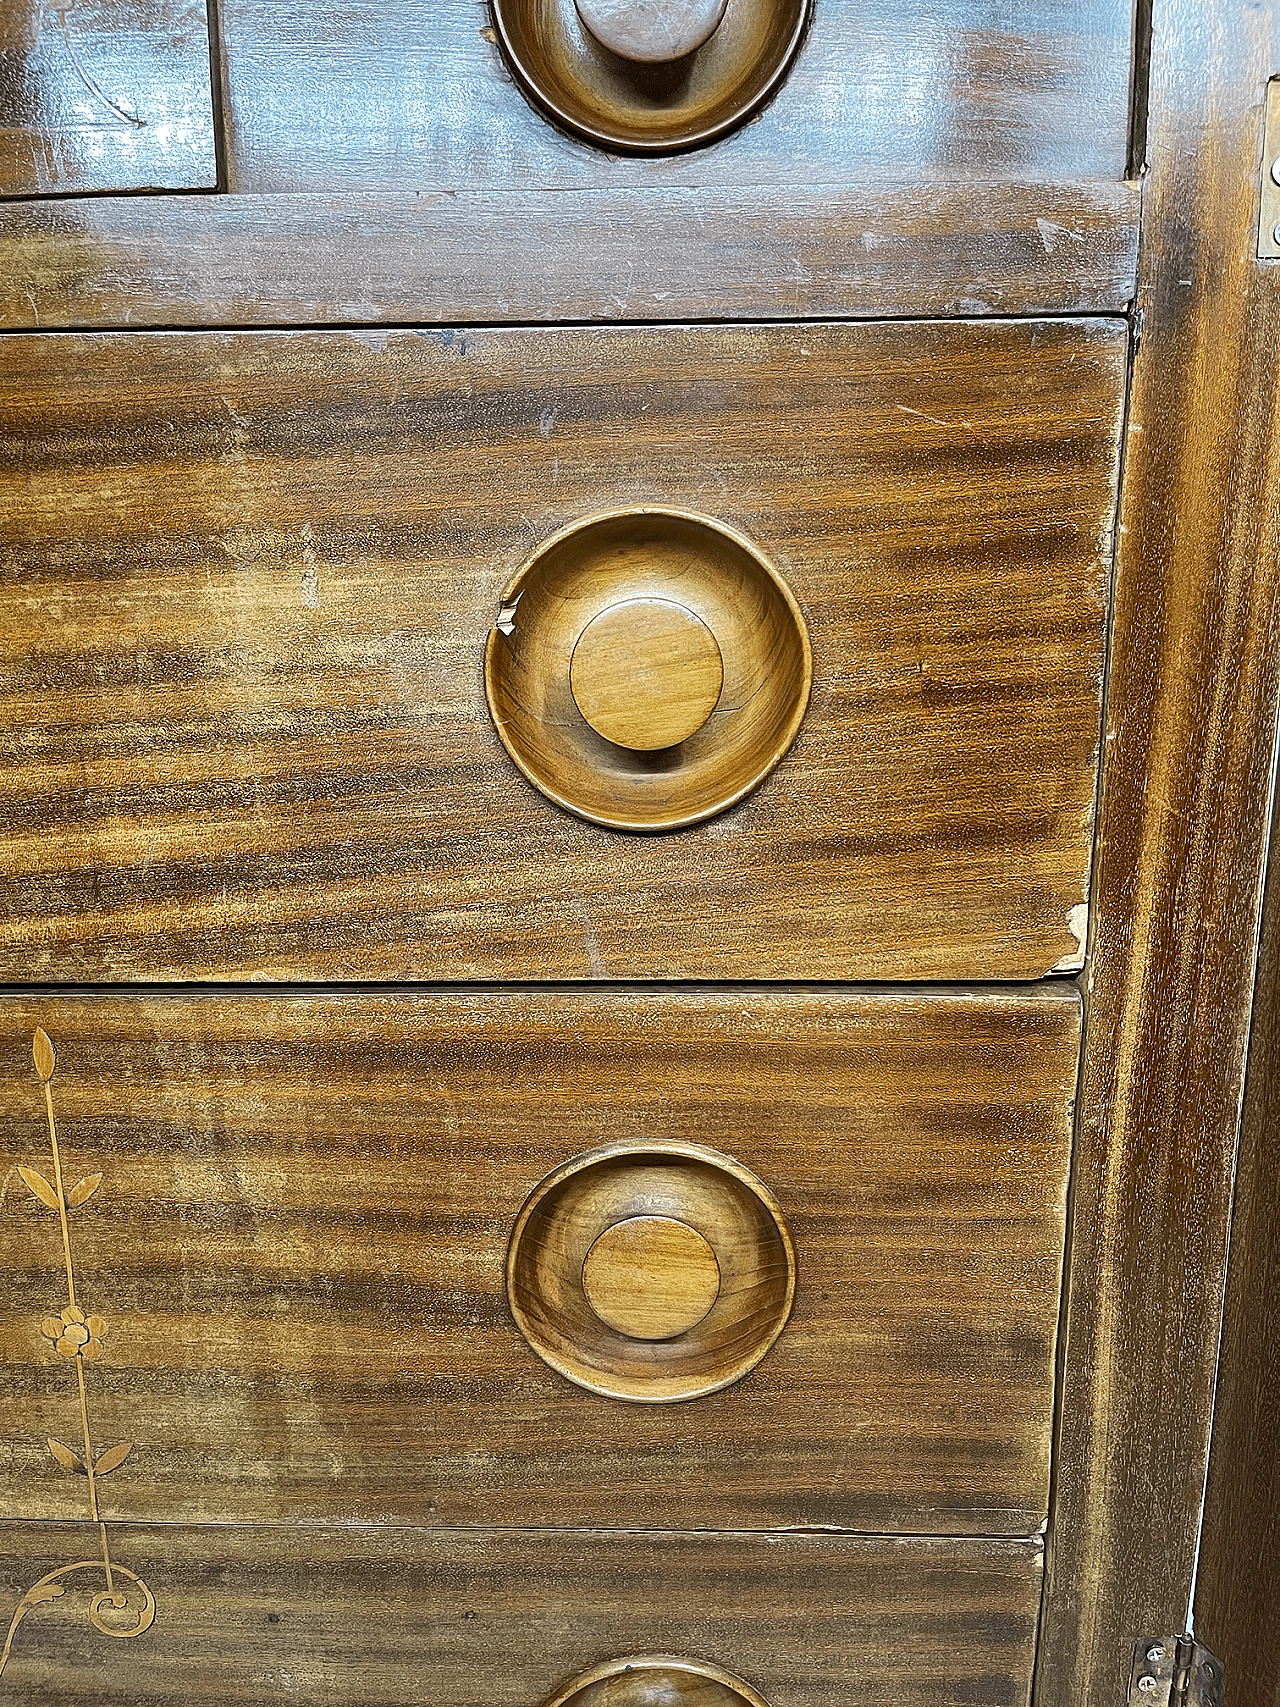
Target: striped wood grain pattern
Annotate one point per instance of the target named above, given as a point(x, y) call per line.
point(402, 1617)
point(298, 1248)
point(1192, 701)
point(247, 580)
point(387, 95)
point(780, 253)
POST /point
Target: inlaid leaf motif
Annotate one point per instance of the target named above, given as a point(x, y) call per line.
point(51, 1328)
point(43, 1591)
point(83, 1190)
point(44, 1055)
point(113, 1458)
point(40, 1186)
point(66, 1457)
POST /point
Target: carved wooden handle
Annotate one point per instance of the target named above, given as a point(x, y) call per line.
point(657, 1680)
point(646, 674)
point(652, 31)
point(651, 1272)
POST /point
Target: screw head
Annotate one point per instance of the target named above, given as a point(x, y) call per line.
point(1276, 233)
point(1147, 1684)
point(1275, 170)
point(1156, 1654)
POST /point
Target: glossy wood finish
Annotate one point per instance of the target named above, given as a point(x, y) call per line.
point(652, 1273)
point(653, 108)
point(299, 1235)
point(1237, 1608)
point(657, 1680)
point(1185, 794)
point(403, 1618)
point(648, 668)
point(794, 252)
point(391, 95)
point(249, 577)
point(104, 95)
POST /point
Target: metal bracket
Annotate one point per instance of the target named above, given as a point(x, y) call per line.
point(1269, 216)
point(1176, 1671)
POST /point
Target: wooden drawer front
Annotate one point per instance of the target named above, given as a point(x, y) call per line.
point(297, 1252)
point(402, 1617)
point(387, 97)
point(105, 95)
point(248, 580)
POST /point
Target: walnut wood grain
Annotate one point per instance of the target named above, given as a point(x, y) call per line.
point(391, 95)
point(1192, 706)
point(298, 1241)
point(247, 585)
point(1237, 1609)
point(793, 252)
point(100, 95)
point(356, 1617)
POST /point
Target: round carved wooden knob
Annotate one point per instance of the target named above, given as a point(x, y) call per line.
point(657, 1680)
point(646, 674)
point(648, 668)
point(652, 31)
point(651, 1272)
point(651, 1278)
point(650, 76)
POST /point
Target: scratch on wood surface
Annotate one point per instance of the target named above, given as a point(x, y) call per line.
point(590, 940)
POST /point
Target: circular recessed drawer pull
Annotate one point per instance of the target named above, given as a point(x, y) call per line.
point(657, 1680)
point(650, 76)
point(651, 1272)
point(651, 31)
point(649, 668)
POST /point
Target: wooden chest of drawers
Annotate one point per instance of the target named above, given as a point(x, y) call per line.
point(616, 662)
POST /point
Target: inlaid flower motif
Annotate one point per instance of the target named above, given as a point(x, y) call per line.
point(74, 1334)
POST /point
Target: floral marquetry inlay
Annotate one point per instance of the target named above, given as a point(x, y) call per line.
point(124, 1606)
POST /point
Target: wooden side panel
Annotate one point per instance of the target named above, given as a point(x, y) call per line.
point(297, 1249)
point(398, 1618)
point(1185, 797)
point(105, 95)
point(1237, 1608)
point(390, 94)
point(768, 253)
point(247, 581)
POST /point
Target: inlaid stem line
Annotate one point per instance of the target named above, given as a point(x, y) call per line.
point(62, 1198)
point(88, 1451)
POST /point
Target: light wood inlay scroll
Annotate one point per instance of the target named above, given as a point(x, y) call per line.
point(125, 1605)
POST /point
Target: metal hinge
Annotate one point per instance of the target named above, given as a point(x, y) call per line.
point(1269, 213)
point(1176, 1671)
